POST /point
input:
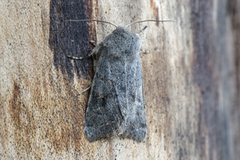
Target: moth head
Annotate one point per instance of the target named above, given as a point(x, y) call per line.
point(122, 43)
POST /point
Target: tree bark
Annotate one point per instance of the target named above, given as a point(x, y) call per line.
point(191, 78)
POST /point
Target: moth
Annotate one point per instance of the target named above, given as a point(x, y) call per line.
point(116, 104)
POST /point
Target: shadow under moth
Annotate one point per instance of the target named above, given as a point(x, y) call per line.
point(116, 104)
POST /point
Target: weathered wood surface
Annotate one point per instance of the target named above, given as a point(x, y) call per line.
point(191, 82)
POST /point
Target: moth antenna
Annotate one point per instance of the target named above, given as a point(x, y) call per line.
point(149, 21)
point(83, 20)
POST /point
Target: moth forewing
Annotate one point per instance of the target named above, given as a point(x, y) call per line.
point(116, 103)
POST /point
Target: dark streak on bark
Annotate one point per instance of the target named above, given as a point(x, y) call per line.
point(210, 52)
point(234, 12)
point(69, 38)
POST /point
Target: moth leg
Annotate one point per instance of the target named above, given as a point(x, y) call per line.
point(143, 51)
point(78, 58)
point(142, 30)
point(92, 42)
point(81, 92)
point(94, 51)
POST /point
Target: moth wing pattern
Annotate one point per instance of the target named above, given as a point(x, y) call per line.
point(116, 103)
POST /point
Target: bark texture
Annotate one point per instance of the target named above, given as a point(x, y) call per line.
point(191, 79)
